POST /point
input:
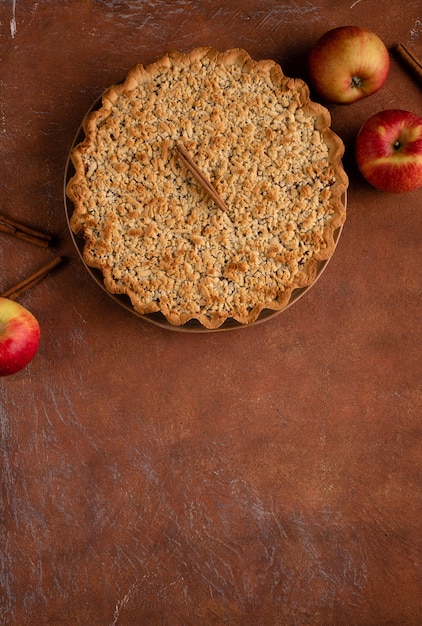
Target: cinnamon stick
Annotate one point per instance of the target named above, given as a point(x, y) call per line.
point(200, 176)
point(24, 232)
point(32, 280)
point(410, 60)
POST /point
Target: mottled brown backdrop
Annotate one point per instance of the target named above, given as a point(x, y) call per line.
point(269, 476)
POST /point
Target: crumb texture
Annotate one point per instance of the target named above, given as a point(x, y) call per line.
point(152, 230)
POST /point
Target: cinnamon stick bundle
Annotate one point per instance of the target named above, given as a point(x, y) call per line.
point(410, 60)
point(18, 289)
point(24, 232)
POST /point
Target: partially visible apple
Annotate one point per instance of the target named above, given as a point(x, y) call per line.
point(19, 336)
point(389, 150)
point(347, 64)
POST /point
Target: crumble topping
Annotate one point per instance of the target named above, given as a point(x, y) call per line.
point(155, 233)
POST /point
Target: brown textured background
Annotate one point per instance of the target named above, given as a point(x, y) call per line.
point(261, 477)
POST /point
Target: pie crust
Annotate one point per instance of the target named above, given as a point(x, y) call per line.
point(157, 235)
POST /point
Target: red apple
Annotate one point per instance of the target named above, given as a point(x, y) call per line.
point(19, 336)
point(389, 150)
point(347, 64)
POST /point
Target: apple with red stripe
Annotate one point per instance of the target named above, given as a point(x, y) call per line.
point(389, 150)
point(19, 336)
point(348, 63)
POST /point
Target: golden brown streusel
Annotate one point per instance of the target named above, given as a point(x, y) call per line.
point(151, 228)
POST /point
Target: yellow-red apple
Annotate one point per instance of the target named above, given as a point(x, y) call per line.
point(347, 64)
point(389, 150)
point(19, 336)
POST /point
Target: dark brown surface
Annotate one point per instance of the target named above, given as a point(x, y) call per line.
point(267, 476)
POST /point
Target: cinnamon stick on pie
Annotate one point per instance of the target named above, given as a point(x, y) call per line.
point(200, 176)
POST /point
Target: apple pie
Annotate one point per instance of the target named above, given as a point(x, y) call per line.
point(207, 186)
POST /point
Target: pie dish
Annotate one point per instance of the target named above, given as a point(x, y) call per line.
point(159, 237)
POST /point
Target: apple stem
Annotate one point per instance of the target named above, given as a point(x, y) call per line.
point(397, 145)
